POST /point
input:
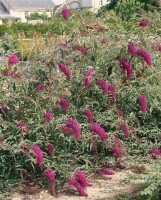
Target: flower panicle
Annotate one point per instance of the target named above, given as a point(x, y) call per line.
point(74, 182)
point(126, 66)
point(48, 116)
point(103, 85)
point(66, 13)
point(64, 69)
point(88, 77)
point(116, 151)
point(146, 56)
point(64, 103)
point(73, 125)
point(125, 129)
point(50, 175)
point(82, 180)
point(23, 127)
point(132, 48)
point(94, 127)
point(50, 148)
point(39, 155)
point(88, 113)
point(143, 103)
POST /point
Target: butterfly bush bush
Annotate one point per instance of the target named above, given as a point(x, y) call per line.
point(62, 112)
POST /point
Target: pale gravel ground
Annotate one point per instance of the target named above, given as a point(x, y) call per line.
point(101, 190)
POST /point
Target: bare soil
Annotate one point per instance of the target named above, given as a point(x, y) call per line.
point(102, 189)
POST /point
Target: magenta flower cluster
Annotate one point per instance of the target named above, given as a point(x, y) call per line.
point(155, 153)
point(66, 13)
point(145, 55)
point(83, 50)
point(41, 87)
point(132, 48)
point(23, 127)
point(139, 52)
point(4, 108)
point(89, 115)
point(80, 183)
point(116, 151)
point(125, 129)
point(105, 172)
point(39, 155)
point(50, 148)
point(143, 23)
point(13, 59)
point(103, 85)
point(64, 103)
point(94, 127)
point(125, 65)
point(64, 69)
point(88, 77)
point(50, 175)
point(68, 130)
point(74, 127)
point(143, 103)
point(48, 116)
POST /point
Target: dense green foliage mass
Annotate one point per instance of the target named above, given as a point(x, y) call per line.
point(29, 90)
point(127, 9)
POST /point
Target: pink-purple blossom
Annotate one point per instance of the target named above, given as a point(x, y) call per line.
point(64, 69)
point(143, 103)
point(157, 48)
point(103, 85)
point(78, 186)
point(64, 103)
point(143, 23)
point(73, 124)
point(155, 153)
point(50, 149)
point(88, 77)
point(116, 151)
point(105, 172)
point(82, 180)
point(4, 108)
point(50, 175)
point(145, 55)
point(23, 126)
point(83, 50)
point(88, 113)
point(94, 127)
point(66, 13)
point(125, 129)
point(67, 129)
point(39, 155)
point(13, 59)
point(41, 87)
point(48, 116)
point(126, 66)
point(132, 48)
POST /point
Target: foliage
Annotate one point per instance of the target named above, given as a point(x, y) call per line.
point(37, 16)
point(79, 49)
point(127, 9)
point(148, 183)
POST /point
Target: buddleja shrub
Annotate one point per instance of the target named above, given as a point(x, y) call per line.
point(79, 105)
